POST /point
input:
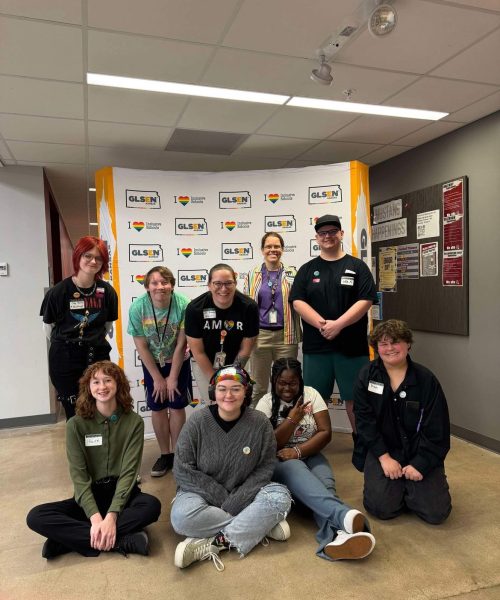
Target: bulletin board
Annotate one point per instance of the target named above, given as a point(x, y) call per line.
point(420, 258)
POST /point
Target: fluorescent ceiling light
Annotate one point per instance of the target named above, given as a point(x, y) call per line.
point(366, 109)
point(96, 224)
point(91, 189)
point(168, 87)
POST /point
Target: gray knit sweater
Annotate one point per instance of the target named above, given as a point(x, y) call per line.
point(225, 469)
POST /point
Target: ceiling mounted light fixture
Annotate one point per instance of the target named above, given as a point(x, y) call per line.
point(382, 20)
point(323, 75)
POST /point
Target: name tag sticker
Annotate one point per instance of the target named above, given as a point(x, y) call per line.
point(93, 439)
point(347, 280)
point(76, 304)
point(209, 313)
point(375, 387)
point(351, 272)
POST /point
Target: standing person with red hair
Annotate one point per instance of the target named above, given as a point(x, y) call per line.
point(77, 313)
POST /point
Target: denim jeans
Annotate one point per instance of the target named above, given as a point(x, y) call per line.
point(312, 483)
point(192, 516)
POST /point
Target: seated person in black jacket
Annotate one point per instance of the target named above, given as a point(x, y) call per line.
point(403, 431)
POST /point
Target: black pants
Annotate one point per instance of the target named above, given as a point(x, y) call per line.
point(386, 498)
point(67, 363)
point(65, 521)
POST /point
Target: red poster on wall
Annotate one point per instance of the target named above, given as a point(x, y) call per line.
point(453, 233)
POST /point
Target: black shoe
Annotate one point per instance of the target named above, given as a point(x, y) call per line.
point(162, 465)
point(53, 549)
point(133, 543)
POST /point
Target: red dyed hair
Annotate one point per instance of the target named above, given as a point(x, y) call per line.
point(85, 244)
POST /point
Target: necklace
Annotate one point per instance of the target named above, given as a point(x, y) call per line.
point(86, 293)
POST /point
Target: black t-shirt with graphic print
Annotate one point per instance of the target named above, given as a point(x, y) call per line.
point(331, 287)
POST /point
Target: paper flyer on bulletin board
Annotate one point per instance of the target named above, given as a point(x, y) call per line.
point(453, 233)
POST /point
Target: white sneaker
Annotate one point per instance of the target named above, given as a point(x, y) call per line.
point(350, 546)
point(195, 549)
point(354, 521)
point(280, 532)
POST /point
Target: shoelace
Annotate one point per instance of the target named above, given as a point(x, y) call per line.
point(204, 553)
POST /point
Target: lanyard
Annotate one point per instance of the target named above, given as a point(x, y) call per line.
point(160, 340)
point(272, 284)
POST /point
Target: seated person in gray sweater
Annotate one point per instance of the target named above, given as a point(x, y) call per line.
point(104, 444)
point(224, 461)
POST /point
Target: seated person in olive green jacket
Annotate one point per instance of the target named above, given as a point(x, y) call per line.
point(104, 443)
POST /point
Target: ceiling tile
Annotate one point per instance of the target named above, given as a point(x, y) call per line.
point(476, 110)
point(487, 4)
point(284, 27)
point(298, 163)
point(378, 156)
point(42, 129)
point(202, 22)
point(273, 147)
point(427, 33)
point(377, 130)
point(121, 135)
point(46, 98)
point(368, 85)
point(427, 133)
point(145, 58)
point(61, 153)
point(335, 152)
point(224, 115)
point(445, 95)
point(65, 11)
point(305, 123)
point(130, 106)
point(35, 49)
point(478, 63)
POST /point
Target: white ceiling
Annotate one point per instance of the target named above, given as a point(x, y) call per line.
point(444, 55)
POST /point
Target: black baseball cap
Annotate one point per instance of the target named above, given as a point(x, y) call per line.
point(327, 220)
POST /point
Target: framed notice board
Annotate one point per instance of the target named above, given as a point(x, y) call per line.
point(420, 258)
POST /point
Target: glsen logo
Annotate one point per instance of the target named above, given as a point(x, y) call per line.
point(325, 194)
point(314, 249)
point(137, 359)
point(237, 251)
point(191, 227)
point(140, 225)
point(145, 253)
point(273, 198)
point(230, 225)
point(280, 223)
point(142, 199)
point(142, 408)
point(192, 278)
point(235, 200)
point(186, 252)
point(139, 278)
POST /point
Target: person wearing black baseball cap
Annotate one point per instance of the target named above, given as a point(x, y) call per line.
point(332, 293)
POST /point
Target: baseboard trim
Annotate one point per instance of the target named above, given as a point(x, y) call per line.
point(28, 421)
point(476, 438)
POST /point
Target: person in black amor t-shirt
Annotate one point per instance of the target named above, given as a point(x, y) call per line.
point(221, 326)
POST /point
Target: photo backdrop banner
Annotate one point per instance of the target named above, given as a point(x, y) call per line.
point(190, 221)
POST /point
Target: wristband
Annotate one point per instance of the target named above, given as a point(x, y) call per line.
point(299, 453)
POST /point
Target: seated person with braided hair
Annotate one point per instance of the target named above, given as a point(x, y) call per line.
point(302, 427)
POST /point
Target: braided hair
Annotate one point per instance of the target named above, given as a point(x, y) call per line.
point(280, 365)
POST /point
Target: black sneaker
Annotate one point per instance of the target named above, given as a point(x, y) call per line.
point(133, 543)
point(162, 465)
point(52, 549)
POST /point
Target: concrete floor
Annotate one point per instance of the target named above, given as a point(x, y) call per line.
point(412, 560)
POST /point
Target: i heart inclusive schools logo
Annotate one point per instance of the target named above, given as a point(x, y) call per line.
point(184, 200)
point(230, 225)
point(273, 198)
point(138, 225)
point(140, 279)
point(186, 252)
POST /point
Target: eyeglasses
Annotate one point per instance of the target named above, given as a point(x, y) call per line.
point(328, 232)
point(222, 390)
point(221, 284)
point(90, 257)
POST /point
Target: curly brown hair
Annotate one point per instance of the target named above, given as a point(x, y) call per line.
point(394, 329)
point(85, 405)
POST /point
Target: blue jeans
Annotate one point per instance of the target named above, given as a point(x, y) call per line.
point(312, 483)
point(192, 516)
